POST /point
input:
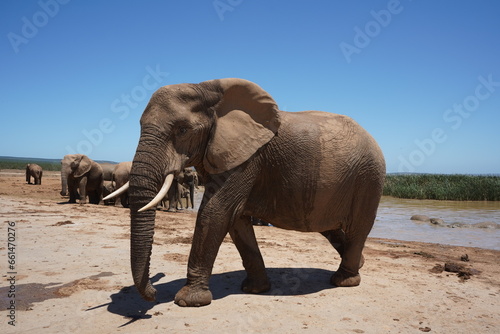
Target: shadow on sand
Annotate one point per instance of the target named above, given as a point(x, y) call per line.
point(285, 282)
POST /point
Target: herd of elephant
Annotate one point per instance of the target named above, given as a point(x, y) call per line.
point(82, 178)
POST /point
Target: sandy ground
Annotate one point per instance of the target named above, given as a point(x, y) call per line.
point(73, 276)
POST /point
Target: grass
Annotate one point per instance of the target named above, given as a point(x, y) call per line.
point(21, 164)
point(413, 186)
point(443, 187)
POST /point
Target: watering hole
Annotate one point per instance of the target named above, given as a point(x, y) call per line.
point(466, 223)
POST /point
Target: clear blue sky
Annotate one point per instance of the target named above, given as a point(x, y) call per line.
point(423, 77)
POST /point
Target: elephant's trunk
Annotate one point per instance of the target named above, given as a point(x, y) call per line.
point(64, 183)
point(144, 183)
point(142, 231)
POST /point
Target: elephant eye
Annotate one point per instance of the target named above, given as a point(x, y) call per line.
point(182, 130)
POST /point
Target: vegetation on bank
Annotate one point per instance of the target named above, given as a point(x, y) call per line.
point(455, 187)
point(20, 163)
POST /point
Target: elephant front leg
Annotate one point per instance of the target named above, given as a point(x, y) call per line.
point(83, 190)
point(208, 237)
point(73, 190)
point(243, 237)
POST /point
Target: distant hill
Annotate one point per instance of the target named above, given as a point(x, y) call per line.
point(46, 164)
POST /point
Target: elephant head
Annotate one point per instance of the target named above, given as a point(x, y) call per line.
point(215, 126)
point(28, 173)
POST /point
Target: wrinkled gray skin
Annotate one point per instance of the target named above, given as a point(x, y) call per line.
point(81, 177)
point(305, 171)
point(107, 170)
point(35, 171)
point(121, 175)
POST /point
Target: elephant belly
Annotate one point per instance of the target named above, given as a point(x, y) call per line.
point(294, 211)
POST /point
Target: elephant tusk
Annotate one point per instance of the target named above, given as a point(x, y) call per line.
point(161, 194)
point(117, 192)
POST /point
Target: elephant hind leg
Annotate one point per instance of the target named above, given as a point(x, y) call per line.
point(337, 239)
point(350, 250)
point(243, 237)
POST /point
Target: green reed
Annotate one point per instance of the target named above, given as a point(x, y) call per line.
point(455, 187)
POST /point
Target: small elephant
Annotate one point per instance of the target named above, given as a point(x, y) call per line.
point(307, 171)
point(35, 171)
point(185, 193)
point(121, 175)
point(176, 198)
point(191, 182)
point(82, 177)
point(174, 194)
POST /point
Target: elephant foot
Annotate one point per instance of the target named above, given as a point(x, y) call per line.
point(343, 278)
point(255, 286)
point(190, 296)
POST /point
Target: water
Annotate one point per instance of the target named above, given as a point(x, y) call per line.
point(393, 221)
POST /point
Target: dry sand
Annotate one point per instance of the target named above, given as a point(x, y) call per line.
point(73, 276)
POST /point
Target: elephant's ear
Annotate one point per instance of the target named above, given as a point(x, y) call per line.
point(83, 167)
point(247, 118)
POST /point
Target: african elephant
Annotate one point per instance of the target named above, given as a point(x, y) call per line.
point(185, 193)
point(174, 194)
point(307, 171)
point(190, 181)
point(107, 170)
point(35, 171)
point(82, 177)
point(121, 174)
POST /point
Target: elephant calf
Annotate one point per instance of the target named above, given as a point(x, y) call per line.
point(35, 171)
